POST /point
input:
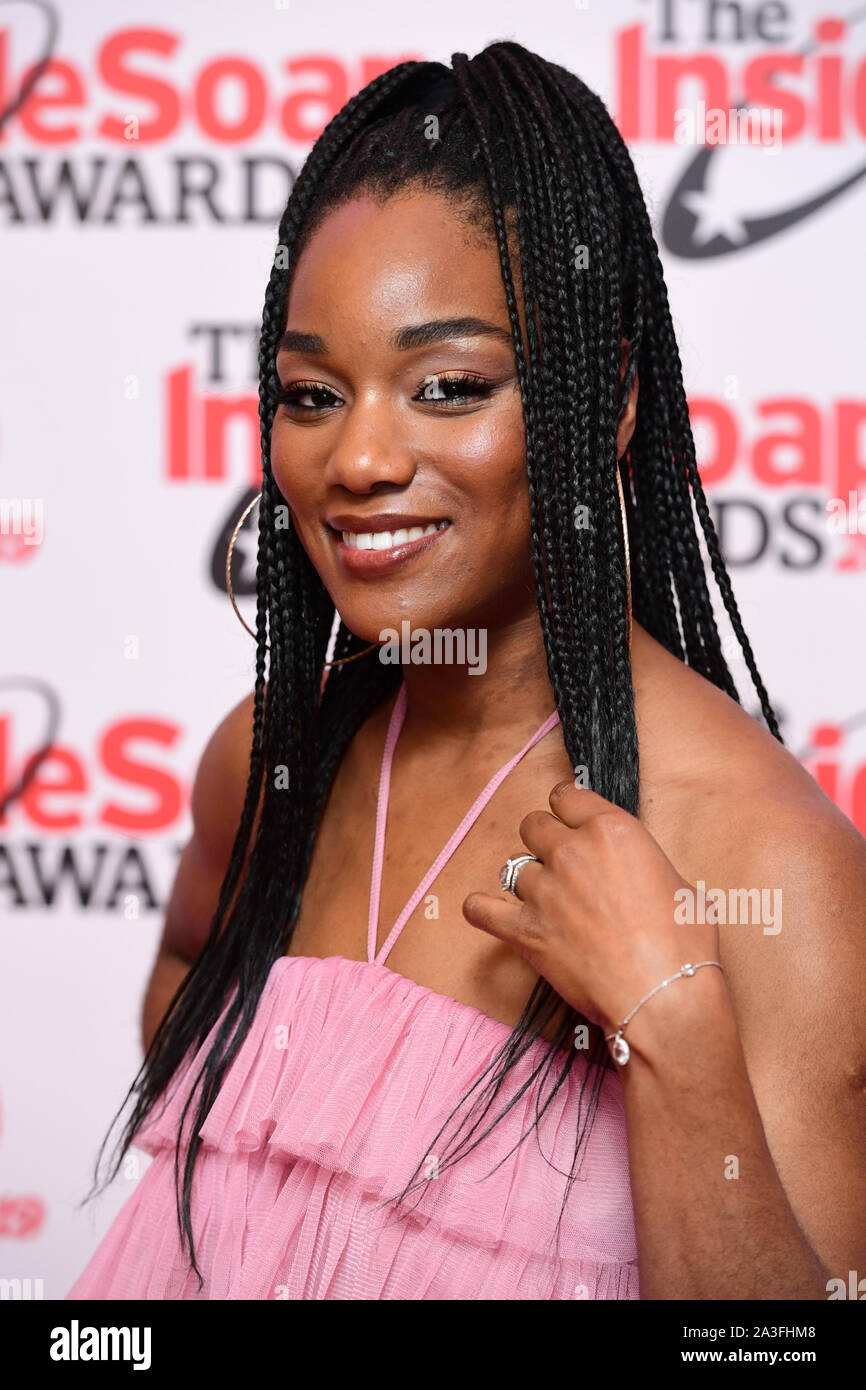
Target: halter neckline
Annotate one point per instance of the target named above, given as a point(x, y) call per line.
point(395, 724)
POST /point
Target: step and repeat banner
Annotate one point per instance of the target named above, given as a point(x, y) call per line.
point(146, 153)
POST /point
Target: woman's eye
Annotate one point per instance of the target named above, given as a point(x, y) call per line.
point(306, 396)
point(453, 390)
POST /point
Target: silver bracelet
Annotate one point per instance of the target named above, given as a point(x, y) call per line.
point(620, 1049)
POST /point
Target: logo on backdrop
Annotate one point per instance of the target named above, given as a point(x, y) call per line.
point(133, 95)
point(812, 90)
point(830, 755)
point(120, 792)
point(803, 506)
point(212, 434)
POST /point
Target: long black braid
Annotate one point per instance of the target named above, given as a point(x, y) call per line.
point(527, 151)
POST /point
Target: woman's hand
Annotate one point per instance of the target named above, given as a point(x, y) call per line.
point(596, 916)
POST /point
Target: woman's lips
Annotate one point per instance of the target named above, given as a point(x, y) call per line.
point(359, 562)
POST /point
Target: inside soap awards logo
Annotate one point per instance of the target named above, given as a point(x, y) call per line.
point(137, 89)
point(93, 825)
point(785, 477)
point(834, 752)
point(694, 68)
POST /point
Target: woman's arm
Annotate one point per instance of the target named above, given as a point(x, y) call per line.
point(216, 804)
point(712, 1216)
point(744, 1093)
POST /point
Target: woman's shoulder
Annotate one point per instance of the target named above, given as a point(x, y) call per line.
point(707, 756)
point(736, 812)
point(734, 809)
point(221, 779)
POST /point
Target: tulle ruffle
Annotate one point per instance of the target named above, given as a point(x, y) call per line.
point(334, 1099)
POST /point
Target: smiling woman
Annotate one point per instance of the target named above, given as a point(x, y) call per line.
point(364, 399)
point(472, 406)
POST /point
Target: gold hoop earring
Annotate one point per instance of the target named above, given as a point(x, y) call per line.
point(374, 646)
point(235, 533)
point(625, 550)
point(243, 516)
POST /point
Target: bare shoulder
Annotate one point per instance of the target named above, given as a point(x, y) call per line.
point(735, 811)
point(218, 794)
point(221, 780)
point(716, 768)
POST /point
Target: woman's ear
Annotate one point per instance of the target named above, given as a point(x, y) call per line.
point(625, 429)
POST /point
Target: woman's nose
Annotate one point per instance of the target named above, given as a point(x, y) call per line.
point(369, 449)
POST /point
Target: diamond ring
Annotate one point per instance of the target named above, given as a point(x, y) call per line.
point(510, 870)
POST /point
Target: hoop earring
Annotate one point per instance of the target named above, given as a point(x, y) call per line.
point(625, 549)
point(235, 533)
point(243, 516)
point(374, 646)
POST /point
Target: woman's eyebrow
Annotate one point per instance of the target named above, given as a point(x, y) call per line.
point(404, 339)
point(441, 330)
point(308, 343)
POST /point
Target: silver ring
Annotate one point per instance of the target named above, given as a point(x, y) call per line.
point(510, 870)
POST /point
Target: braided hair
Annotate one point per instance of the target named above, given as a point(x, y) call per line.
point(527, 150)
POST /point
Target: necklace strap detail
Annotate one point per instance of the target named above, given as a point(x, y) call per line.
point(398, 714)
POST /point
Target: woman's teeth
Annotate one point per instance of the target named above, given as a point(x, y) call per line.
point(386, 540)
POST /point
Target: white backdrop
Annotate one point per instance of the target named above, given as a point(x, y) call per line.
point(128, 437)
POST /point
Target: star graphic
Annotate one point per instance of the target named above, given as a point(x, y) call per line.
point(714, 218)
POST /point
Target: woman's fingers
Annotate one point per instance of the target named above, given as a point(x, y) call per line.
point(496, 916)
point(576, 806)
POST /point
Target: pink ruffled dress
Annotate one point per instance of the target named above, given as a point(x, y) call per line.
point(335, 1096)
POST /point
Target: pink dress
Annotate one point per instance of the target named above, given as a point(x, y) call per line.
point(336, 1094)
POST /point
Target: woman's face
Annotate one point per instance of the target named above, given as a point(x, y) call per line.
point(405, 480)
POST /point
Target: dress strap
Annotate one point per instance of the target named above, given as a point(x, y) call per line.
point(398, 714)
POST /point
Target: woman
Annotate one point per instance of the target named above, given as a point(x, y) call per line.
point(578, 1087)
